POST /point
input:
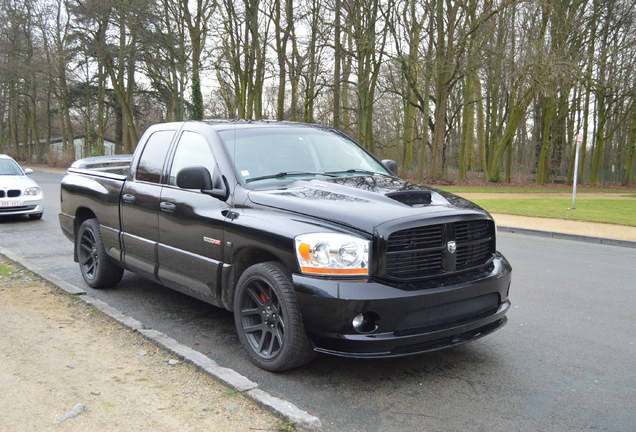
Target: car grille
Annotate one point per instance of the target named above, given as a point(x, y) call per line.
point(428, 251)
point(16, 209)
point(11, 193)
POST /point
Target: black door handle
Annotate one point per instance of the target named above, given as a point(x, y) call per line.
point(167, 206)
point(128, 198)
point(230, 214)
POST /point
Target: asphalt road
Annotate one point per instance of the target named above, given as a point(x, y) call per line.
point(564, 362)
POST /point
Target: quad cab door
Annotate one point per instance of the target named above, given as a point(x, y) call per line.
point(191, 225)
point(140, 205)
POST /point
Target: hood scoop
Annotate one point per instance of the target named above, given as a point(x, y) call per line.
point(411, 198)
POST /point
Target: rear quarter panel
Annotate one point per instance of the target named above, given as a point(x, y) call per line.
point(84, 196)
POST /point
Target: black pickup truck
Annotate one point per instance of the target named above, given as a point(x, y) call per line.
point(315, 245)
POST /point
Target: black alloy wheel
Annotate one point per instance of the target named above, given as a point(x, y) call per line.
point(263, 323)
point(97, 268)
point(268, 320)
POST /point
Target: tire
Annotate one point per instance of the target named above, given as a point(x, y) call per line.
point(35, 216)
point(97, 268)
point(268, 319)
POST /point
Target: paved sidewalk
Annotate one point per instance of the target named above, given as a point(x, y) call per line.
point(575, 228)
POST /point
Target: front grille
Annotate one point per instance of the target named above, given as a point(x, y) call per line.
point(416, 238)
point(15, 209)
point(472, 230)
point(11, 193)
point(448, 315)
point(427, 251)
point(475, 243)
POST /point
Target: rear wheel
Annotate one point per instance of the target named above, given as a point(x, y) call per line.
point(98, 270)
point(268, 320)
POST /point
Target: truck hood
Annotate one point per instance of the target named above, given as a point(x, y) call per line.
point(365, 202)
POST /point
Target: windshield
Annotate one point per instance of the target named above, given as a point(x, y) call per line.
point(9, 167)
point(279, 153)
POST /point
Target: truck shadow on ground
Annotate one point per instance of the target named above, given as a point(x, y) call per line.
point(211, 331)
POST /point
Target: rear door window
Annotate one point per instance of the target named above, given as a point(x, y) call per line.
point(154, 156)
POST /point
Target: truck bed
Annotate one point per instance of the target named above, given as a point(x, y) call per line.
point(115, 167)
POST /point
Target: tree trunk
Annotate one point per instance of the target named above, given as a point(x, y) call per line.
point(543, 168)
point(481, 128)
point(439, 133)
point(101, 101)
point(629, 167)
point(337, 63)
point(517, 114)
point(468, 128)
point(599, 142)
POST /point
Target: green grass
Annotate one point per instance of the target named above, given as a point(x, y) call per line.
point(620, 212)
point(287, 427)
point(5, 270)
point(229, 393)
point(516, 189)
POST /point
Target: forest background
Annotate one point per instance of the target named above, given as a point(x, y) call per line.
point(451, 89)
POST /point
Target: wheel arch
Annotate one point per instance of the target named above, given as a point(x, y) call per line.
point(268, 319)
point(97, 268)
point(242, 260)
point(81, 214)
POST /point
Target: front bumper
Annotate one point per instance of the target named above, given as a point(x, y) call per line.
point(411, 318)
point(26, 207)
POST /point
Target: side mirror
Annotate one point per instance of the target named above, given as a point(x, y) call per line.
point(391, 165)
point(28, 171)
point(199, 177)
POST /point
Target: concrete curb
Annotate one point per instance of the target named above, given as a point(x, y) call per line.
point(564, 236)
point(227, 376)
point(62, 284)
point(301, 419)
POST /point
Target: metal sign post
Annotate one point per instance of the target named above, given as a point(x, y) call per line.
point(579, 140)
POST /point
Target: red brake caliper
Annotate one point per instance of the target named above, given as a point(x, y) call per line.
point(262, 296)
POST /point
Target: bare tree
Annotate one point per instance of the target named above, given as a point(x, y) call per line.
point(368, 35)
point(197, 24)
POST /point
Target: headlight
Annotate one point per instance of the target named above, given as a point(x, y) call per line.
point(32, 191)
point(332, 254)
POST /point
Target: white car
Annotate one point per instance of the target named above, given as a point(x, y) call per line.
point(19, 195)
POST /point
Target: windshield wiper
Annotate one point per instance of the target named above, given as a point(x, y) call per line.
point(288, 174)
point(357, 171)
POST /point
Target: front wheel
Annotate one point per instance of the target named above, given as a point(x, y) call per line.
point(98, 270)
point(268, 320)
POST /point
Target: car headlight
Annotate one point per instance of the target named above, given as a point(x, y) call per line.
point(332, 254)
point(32, 191)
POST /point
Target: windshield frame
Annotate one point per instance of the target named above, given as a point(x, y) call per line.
point(314, 134)
point(10, 163)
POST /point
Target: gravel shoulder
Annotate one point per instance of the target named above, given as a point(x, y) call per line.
point(66, 366)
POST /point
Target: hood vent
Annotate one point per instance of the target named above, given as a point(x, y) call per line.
point(411, 198)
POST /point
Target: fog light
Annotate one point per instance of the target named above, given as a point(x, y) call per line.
point(366, 322)
point(358, 321)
